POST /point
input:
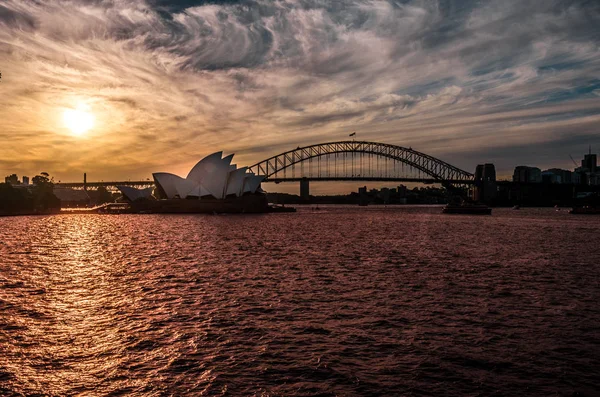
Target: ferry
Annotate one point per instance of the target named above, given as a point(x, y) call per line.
point(280, 208)
point(585, 210)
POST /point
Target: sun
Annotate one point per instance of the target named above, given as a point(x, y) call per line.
point(78, 120)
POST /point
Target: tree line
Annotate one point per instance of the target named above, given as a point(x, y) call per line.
point(37, 198)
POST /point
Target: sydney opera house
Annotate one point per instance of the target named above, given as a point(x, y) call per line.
point(212, 185)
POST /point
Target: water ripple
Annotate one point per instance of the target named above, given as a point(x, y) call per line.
point(344, 301)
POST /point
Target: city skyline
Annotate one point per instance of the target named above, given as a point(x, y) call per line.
point(122, 89)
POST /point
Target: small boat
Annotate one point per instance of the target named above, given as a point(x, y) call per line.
point(516, 207)
point(467, 209)
point(280, 208)
point(585, 210)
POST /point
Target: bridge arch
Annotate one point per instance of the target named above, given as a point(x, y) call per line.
point(435, 168)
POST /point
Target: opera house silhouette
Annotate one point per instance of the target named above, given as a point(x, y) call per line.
point(212, 185)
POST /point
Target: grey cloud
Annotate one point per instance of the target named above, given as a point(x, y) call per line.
point(255, 74)
point(16, 19)
point(126, 101)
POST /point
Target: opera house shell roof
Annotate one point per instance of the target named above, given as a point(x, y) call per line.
point(212, 177)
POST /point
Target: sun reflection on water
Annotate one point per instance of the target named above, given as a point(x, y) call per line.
point(338, 300)
point(82, 324)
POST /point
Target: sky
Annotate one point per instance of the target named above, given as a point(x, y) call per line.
point(513, 82)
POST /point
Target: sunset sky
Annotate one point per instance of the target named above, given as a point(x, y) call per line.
point(159, 84)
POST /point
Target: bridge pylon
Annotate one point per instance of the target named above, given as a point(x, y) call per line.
point(304, 189)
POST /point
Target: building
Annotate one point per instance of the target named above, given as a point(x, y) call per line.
point(485, 172)
point(212, 185)
point(72, 197)
point(557, 175)
point(363, 198)
point(212, 177)
point(590, 162)
point(384, 194)
point(485, 189)
point(527, 174)
point(12, 179)
point(588, 172)
point(550, 177)
point(402, 191)
point(305, 189)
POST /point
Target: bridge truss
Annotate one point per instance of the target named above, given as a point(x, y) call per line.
point(340, 161)
point(359, 160)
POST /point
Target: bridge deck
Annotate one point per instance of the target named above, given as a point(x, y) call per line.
point(95, 185)
point(370, 179)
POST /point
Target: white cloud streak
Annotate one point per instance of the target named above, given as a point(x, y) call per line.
point(460, 80)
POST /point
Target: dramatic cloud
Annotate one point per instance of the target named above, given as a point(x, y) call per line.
point(511, 81)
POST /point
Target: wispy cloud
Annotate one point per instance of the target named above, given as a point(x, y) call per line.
point(170, 82)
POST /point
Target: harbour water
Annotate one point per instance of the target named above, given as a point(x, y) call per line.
point(340, 301)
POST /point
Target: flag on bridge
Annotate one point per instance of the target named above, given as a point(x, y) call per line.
point(353, 134)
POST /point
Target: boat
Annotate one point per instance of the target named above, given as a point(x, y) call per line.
point(585, 210)
point(516, 207)
point(467, 209)
point(280, 208)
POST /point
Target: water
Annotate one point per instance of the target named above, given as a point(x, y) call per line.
point(343, 301)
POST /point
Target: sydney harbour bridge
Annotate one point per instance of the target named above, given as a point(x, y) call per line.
point(342, 161)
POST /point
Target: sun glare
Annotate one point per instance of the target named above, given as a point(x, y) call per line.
point(78, 120)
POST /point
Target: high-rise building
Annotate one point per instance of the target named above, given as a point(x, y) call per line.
point(485, 172)
point(524, 173)
point(590, 162)
point(402, 191)
point(485, 189)
point(12, 179)
point(557, 175)
point(363, 198)
point(551, 177)
point(385, 195)
point(588, 172)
